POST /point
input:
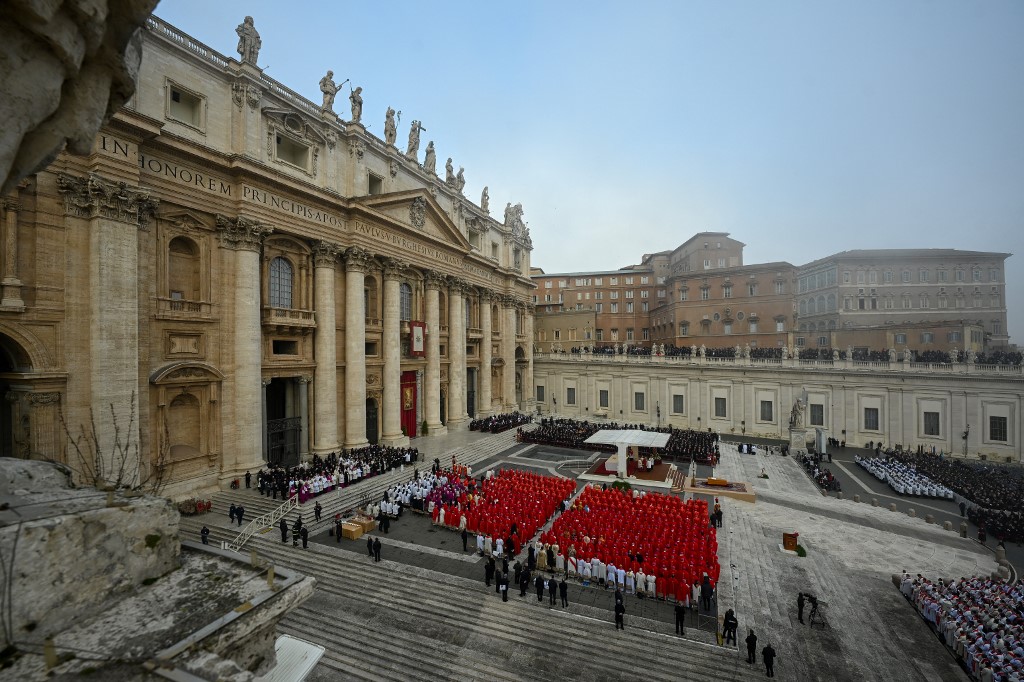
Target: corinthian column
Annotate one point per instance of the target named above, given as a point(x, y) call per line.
point(245, 237)
point(325, 352)
point(456, 355)
point(485, 353)
point(508, 353)
point(114, 213)
point(432, 376)
point(393, 270)
point(357, 262)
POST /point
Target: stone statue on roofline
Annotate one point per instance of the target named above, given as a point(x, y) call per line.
point(430, 159)
point(249, 42)
point(460, 180)
point(414, 140)
point(390, 129)
point(329, 89)
point(355, 98)
point(485, 201)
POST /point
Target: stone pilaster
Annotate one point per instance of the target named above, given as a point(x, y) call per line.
point(485, 354)
point(456, 355)
point(325, 377)
point(304, 382)
point(115, 213)
point(357, 262)
point(432, 376)
point(508, 354)
point(11, 299)
point(245, 237)
point(393, 270)
point(529, 392)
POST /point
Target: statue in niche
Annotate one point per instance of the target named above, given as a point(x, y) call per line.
point(414, 140)
point(430, 159)
point(356, 99)
point(460, 180)
point(390, 129)
point(330, 89)
point(449, 173)
point(249, 42)
point(485, 201)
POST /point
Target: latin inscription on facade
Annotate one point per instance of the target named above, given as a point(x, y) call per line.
point(407, 244)
point(285, 205)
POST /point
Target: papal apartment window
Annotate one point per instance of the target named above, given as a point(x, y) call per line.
point(186, 107)
point(927, 337)
point(705, 293)
point(997, 429)
point(684, 328)
point(570, 396)
point(900, 338)
point(720, 406)
point(870, 418)
point(931, 423)
point(780, 287)
point(280, 283)
point(727, 291)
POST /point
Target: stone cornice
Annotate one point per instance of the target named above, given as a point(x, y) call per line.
point(96, 197)
point(241, 233)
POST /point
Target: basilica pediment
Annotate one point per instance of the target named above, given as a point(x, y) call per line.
point(417, 211)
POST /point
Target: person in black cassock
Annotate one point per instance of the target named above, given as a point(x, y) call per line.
point(563, 592)
point(304, 534)
point(768, 654)
point(620, 612)
point(539, 584)
point(751, 647)
point(284, 530)
point(369, 546)
point(376, 549)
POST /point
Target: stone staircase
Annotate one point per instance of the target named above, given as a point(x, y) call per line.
point(394, 621)
point(335, 502)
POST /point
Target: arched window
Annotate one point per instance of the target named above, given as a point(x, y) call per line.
point(281, 277)
point(405, 302)
point(183, 270)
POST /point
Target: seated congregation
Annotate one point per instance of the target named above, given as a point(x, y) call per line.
point(903, 478)
point(980, 620)
point(322, 474)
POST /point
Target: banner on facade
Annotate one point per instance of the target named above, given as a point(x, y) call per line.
point(417, 339)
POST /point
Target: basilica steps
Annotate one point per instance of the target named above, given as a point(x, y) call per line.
point(420, 624)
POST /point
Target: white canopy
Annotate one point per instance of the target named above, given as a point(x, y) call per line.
point(623, 437)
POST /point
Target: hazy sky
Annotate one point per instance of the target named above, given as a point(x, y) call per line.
point(802, 128)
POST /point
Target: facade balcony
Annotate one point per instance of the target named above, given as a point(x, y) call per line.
point(374, 323)
point(180, 309)
point(288, 320)
point(474, 333)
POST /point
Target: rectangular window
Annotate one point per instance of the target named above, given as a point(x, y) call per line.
point(629, 334)
point(900, 338)
point(860, 277)
point(822, 341)
point(817, 415)
point(579, 296)
point(801, 342)
point(976, 274)
point(997, 429)
point(599, 296)
point(753, 327)
point(562, 283)
point(602, 398)
point(629, 280)
point(615, 307)
point(290, 151)
point(727, 291)
point(684, 328)
point(646, 333)
point(629, 307)
point(375, 184)
point(684, 295)
point(959, 275)
point(727, 328)
point(645, 280)
point(931, 423)
point(721, 262)
point(629, 293)
point(704, 294)
point(494, 250)
point(599, 307)
point(752, 289)
point(766, 411)
point(645, 293)
point(927, 337)
point(954, 336)
point(185, 107)
point(870, 418)
point(888, 277)
point(943, 276)
point(638, 402)
point(707, 263)
point(540, 394)
point(557, 335)
point(780, 287)
point(599, 335)
point(780, 325)
point(281, 347)
point(993, 275)
point(720, 408)
point(872, 277)
point(678, 403)
point(613, 281)
point(570, 396)
point(547, 284)
point(922, 275)
point(644, 307)
point(614, 295)
point(599, 281)
point(661, 293)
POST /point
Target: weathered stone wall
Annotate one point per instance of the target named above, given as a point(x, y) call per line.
point(72, 553)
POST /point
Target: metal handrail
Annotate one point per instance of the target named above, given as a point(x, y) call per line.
point(259, 523)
